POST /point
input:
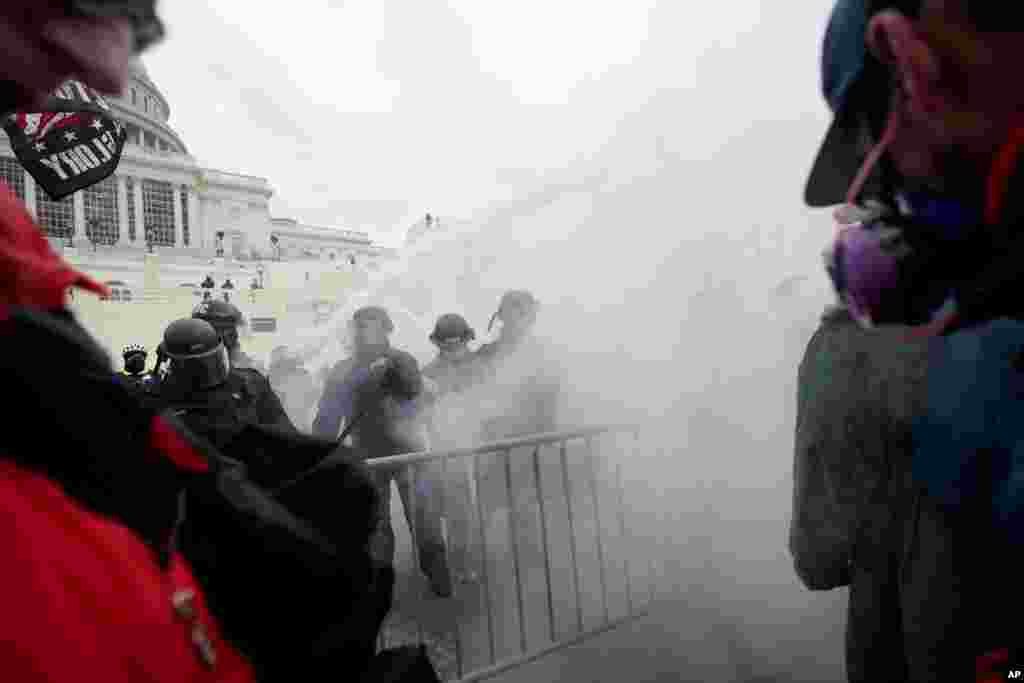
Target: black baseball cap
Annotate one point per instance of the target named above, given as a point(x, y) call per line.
point(843, 59)
point(849, 80)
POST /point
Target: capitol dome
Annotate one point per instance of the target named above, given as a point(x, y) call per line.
point(145, 112)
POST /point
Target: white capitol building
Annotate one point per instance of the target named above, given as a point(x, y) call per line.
point(199, 220)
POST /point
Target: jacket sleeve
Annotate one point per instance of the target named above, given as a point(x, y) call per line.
point(828, 438)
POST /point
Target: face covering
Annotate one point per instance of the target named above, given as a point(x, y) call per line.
point(903, 264)
point(902, 261)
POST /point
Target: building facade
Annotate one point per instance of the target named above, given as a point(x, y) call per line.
point(193, 220)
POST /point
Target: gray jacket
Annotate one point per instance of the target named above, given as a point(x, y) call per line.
point(859, 520)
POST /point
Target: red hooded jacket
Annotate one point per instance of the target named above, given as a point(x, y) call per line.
point(88, 594)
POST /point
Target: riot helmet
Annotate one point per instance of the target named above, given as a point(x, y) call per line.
point(198, 357)
point(225, 318)
point(452, 327)
point(451, 335)
point(134, 359)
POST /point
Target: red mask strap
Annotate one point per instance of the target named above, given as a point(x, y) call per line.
point(891, 126)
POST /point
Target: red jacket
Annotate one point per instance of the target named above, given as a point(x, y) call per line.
point(87, 593)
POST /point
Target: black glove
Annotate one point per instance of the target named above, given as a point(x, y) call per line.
point(398, 375)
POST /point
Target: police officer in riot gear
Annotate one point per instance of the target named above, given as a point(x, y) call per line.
point(134, 360)
point(452, 422)
point(227, 319)
point(215, 399)
point(134, 374)
point(256, 444)
point(456, 368)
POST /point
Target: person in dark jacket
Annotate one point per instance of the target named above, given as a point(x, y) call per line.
point(375, 393)
point(99, 580)
point(88, 504)
point(215, 399)
point(925, 150)
point(238, 414)
point(859, 519)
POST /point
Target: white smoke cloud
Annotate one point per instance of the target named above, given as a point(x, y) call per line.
point(659, 217)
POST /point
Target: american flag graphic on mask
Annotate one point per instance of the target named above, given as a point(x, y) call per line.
point(74, 142)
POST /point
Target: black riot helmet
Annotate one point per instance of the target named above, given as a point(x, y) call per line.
point(225, 318)
point(452, 327)
point(198, 357)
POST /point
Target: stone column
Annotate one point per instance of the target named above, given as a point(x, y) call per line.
point(122, 212)
point(178, 228)
point(140, 216)
point(30, 196)
point(78, 201)
point(197, 230)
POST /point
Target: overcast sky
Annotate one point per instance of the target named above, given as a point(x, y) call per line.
point(367, 113)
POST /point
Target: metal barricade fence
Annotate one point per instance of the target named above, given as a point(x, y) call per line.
point(546, 541)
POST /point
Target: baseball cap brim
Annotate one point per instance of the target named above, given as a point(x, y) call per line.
point(837, 162)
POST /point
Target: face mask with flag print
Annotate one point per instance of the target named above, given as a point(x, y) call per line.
point(72, 143)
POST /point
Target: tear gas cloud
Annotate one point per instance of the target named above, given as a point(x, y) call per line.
point(678, 289)
point(680, 279)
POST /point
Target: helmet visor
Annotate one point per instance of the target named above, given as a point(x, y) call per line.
point(201, 370)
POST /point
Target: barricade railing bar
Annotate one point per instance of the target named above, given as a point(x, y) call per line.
point(539, 564)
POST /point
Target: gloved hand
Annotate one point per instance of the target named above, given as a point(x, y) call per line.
point(397, 375)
